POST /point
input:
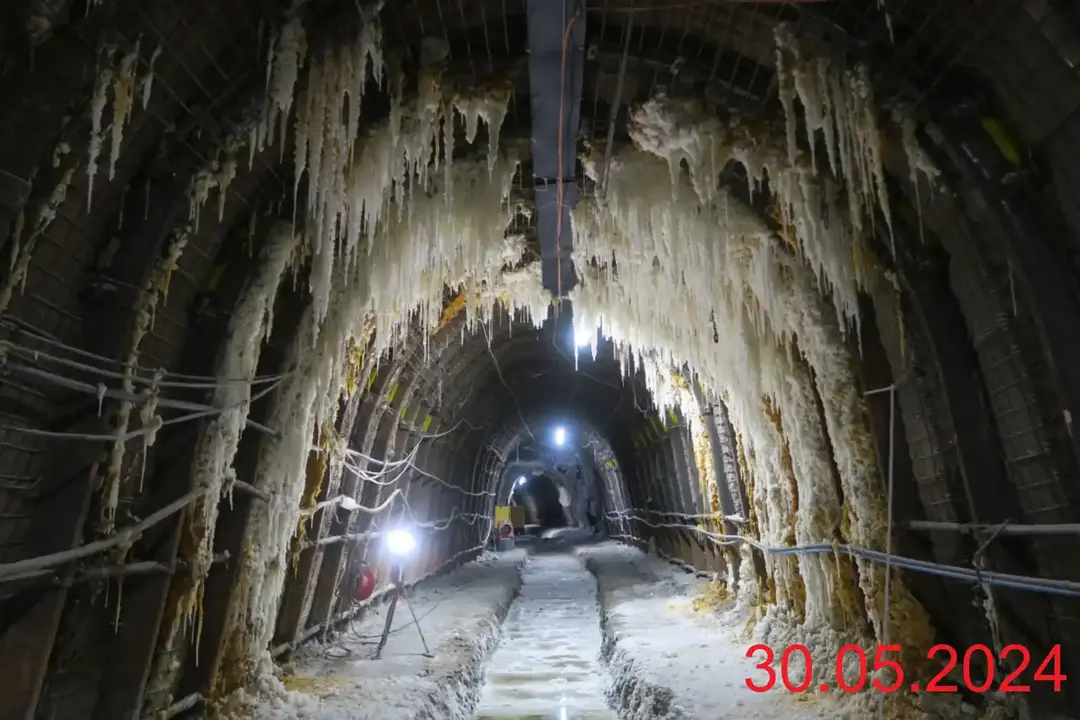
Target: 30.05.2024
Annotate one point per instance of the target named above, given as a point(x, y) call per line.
point(1018, 656)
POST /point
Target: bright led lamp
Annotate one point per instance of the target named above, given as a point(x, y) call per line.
point(400, 542)
point(560, 436)
point(583, 336)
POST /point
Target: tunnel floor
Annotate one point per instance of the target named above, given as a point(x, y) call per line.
point(547, 664)
point(611, 630)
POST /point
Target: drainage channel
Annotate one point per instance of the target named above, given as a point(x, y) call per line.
point(547, 665)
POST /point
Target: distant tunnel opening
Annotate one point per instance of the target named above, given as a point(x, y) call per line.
point(539, 496)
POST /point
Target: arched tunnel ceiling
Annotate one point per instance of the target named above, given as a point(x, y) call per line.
point(150, 259)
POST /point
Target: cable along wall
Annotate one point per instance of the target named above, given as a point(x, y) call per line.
point(667, 263)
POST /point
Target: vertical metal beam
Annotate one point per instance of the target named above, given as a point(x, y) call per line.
point(875, 372)
point(330, 570)
point(661, 500)
point(729, 452)
point(28, 641)
point(681, 490)
point(299, 588)
point(556, 32)
point(205, 669)
point(723, 482)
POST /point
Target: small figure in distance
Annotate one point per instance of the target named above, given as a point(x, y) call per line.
point(591, 519)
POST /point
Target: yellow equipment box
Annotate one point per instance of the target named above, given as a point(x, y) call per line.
point(514, 513)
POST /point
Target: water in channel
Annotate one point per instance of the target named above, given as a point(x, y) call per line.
point(547, 665)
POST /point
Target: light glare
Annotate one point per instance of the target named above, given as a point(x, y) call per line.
point(560, 435)
point(583, 335)
point(400, 542)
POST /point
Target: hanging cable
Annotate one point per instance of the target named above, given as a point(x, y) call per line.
point(38, 335)
point(200, 411)
point(1018, 582)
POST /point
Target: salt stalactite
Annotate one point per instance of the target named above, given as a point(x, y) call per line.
point(808, 205)
point(918, 159)
point(327, 132)
point(146, 85)
point(920, 164)
point(838, 102)
point(713, 263)
point(97, 113)
point(226, 172)
point(22, 249)
point(217, 175)
point(352, 179)
point(120, 78)
point(520, 290)
point(683, 131)
point(818, 519)
point(414, 256)
point(439, 244)
point(856, 460)
point(491, 108)
point(688, 252)
point(123, 99)
point(156, 286)
point(694, 255)
point(219, 440)
point(285, 61)
point(149, 419)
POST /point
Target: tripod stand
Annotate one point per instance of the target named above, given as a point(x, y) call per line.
point(397, 573)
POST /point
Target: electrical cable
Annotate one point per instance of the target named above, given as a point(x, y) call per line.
point(33, 355)
point(40, 335)
point(498, 371)
point(444, 483)
point(1063, 588)
point(200, 411)
point(366, 639)
point(681, 515)
point(421, 438)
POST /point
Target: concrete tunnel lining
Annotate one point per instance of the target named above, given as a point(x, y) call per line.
point(1019, 393)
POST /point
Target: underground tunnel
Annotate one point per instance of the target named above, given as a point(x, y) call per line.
point(761, 312)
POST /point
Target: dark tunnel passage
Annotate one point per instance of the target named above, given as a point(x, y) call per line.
point(539, 496)
point(779, 296)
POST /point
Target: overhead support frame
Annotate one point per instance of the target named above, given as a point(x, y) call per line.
point(556, 36)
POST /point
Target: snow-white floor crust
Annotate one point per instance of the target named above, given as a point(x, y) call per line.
point(548, 664)
point(670, 662)
point(460, 614)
